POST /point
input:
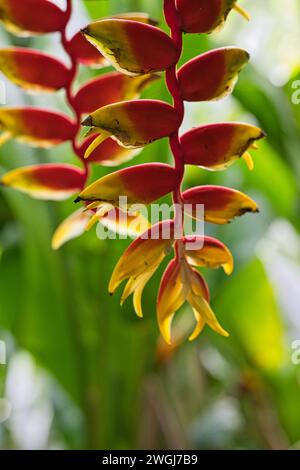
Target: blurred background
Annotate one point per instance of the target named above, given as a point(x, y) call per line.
point(83, 373)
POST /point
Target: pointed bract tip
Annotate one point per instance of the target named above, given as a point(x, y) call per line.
point(242, 12)
point(251, 210)
point(248, 160)
point(229, 267)
point(88, 121)
point(111, 288)
point(166, 334)
point(85, 30)
point(153, 21)
point(96, 142)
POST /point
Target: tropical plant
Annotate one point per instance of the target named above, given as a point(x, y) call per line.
point(83, 373)
point(119, 128)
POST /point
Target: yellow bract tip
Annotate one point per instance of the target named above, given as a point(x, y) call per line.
point(228, 267)
point(137, 301)
point(5, 137)
point(249, 161)
point(242, 12)
point(198, 329)
point(90, 132)
point(101, 138)
point(165, 327)
point(93, 205)
point(92, 222)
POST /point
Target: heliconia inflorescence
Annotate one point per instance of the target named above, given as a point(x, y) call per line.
point(120, 125)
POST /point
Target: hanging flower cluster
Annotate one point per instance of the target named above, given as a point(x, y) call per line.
point(120, 125)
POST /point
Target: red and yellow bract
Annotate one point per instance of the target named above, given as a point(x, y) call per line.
point(140, 184)
point(212, 75)
point(30, 17)
point(221, 204)
point(217, 146)
point(33, 70)
point(133, 47)
point(109, 88)
point(202, 16)
point(36, 127)
point(49, 181)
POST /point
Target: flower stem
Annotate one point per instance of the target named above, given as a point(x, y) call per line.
point(69, 92)
point(173, 21)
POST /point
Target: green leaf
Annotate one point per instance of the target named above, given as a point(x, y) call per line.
point(97, 9)
point(275, 179)
point(248, 311)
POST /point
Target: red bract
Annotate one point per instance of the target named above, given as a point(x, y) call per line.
point(33, 70)
point(109, 88)
point(202, 16)
point(30, 17)
point(49, 181)
point(221, 204)
point(141, 184)
point(212, 75)
point(36, 127)
point(120, 128)
point(211, 253)
point(217, 146)
point(85, 53)
point(132, 47)
point(134, 123)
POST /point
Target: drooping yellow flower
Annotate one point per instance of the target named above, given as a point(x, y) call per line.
point(140, 261)
point(181, 283)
